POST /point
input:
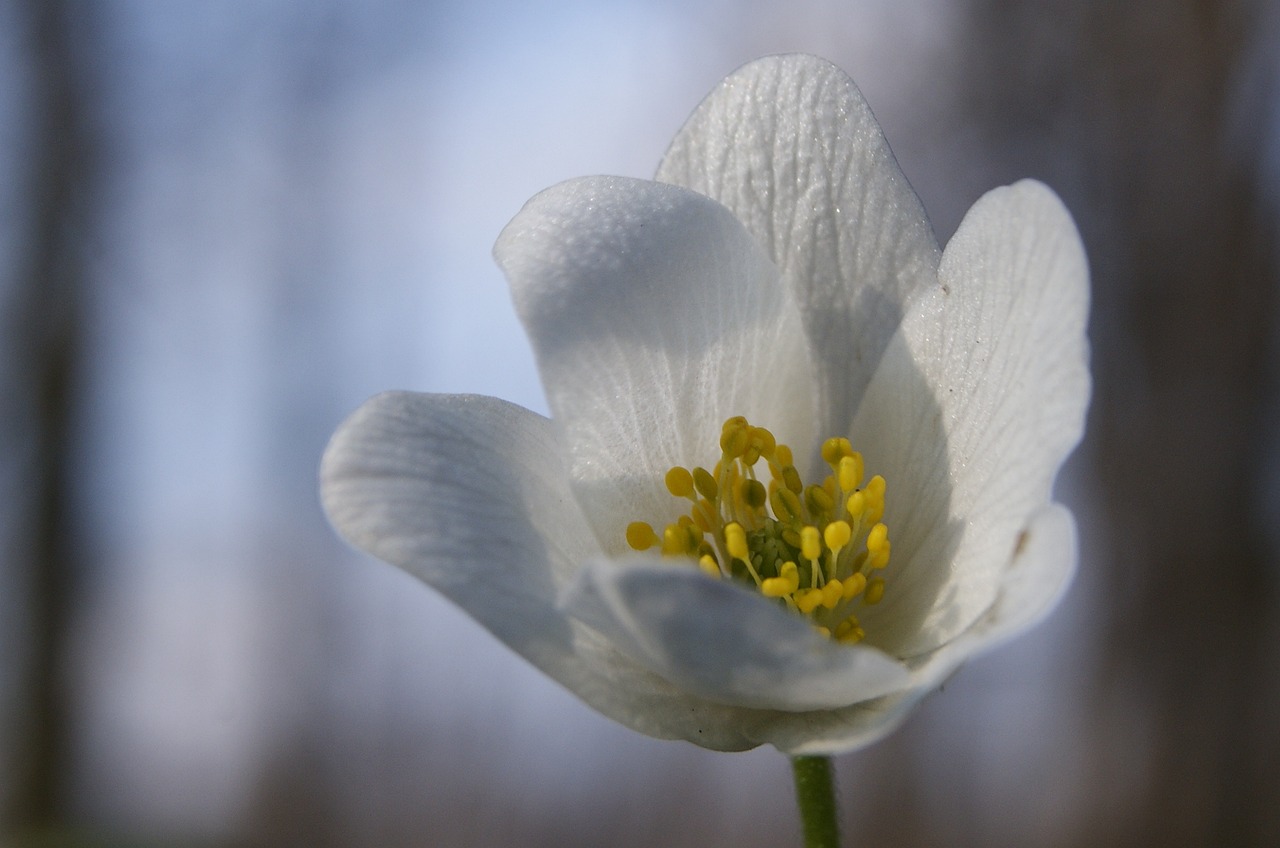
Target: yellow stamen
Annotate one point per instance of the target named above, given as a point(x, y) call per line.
point(850, 471)
point(680, 482)
point(640, 536)
point(837, 535)
point(808, 600)
point(772, 531)
point(832, 594)
point(849, 631)
point(735, 541)
point(809, 545)
point(705, 483)
point(877, 538)
point(854, 585)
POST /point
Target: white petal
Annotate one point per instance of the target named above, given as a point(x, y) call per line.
point(900, 430)
point(723, 642)
point(1031, 586)
point(840, 731)
point(1001, 344)
point(1042, 567)
point(469, 494)
point(654, 317)
point(789, 144)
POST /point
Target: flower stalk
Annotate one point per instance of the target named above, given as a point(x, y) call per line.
point(816, 797)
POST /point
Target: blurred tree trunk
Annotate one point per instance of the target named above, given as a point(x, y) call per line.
point(44, 333)
point(1162, 105)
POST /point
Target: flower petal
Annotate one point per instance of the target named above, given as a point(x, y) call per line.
point(1043, 563)
point(654, 317)
point(790, 146)
point(469, 494)
point(1001, 344)
point(723, 642)
point(1036, 579)
point(839, 731)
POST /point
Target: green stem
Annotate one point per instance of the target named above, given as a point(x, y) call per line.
point(816, 795)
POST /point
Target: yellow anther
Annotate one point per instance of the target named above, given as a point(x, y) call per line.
point(849, 631)
point(708, 565)
point(835, 448)
point(837, 534)
point(826, 632)
point(735, 541)
point(854, 584)
point(808, 600)
point(680, 482)
point(791, 479)
point(786, 506)
point(640, 536)
point(856, 504)
point(787, 581)
point(877, 537)
point(705, 483)
point(875, 498)
point(735, 436)
point(810, 548)
point(764, 441)
point(791, 574)
point(880, 558)
point(782, 456)
point(675, 540)
point(850, 471)
point(818, 501)
point(832, 594)
point(775, 587)
point(753, 493)
point(875, 591)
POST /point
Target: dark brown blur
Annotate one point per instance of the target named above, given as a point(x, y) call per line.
point(1171, 102)
point(1155, 121)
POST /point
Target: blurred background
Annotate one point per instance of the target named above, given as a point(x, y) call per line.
point(224, 225)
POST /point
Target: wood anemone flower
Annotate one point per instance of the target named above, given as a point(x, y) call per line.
point(800, 463)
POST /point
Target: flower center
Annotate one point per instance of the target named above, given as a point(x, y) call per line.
point(815, 548)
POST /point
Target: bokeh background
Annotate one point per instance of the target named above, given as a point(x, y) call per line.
point(224, 225)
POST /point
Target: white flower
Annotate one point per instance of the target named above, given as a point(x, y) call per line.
point(780, 269)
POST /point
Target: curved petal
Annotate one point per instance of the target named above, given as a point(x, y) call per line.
point(901, 431)
point(790, 146)
point(839, 731)
point(654, 317)
point(724, 643)
point(1043, 563)
point(469, 494)
point(1040, 571)
point(1001, 342)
